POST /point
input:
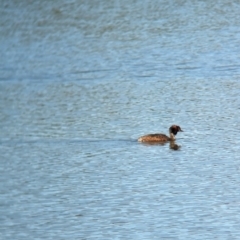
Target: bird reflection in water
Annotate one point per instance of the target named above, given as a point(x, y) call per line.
point(172, 145)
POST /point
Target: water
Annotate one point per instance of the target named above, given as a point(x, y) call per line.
point(81, 81)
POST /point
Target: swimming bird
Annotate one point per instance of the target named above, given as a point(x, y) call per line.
point(159, 137)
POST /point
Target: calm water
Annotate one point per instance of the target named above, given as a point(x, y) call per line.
point(80, 81)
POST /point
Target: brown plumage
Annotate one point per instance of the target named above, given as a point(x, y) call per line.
point(159, 137)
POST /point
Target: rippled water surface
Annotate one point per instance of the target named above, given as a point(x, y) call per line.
point(80, 81)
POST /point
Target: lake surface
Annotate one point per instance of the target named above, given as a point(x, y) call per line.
point(80, 81)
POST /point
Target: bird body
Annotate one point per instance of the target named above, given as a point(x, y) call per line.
point(159, 137)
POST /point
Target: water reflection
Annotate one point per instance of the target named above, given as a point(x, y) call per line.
point(172, 144)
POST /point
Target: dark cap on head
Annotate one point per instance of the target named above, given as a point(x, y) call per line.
point(175, 129)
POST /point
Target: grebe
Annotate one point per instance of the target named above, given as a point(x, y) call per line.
point(158, 137)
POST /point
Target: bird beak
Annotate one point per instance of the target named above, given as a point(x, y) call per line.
point(181, 130)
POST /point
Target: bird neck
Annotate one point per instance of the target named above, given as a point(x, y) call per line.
point(172, 136)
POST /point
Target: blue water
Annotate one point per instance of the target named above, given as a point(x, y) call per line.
point(80, 81)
